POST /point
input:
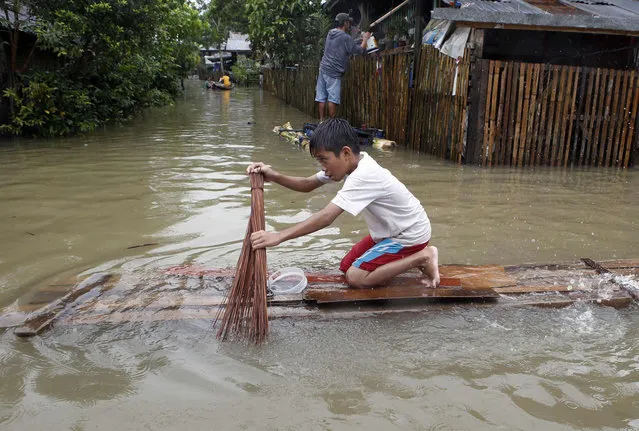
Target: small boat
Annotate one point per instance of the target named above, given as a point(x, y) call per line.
point(220, 86)
point(188, 292)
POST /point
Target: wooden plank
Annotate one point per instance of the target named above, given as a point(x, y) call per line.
point(591, 145)
point(523, 147)
point(625, 120)
point(585, 127)
point(628, 287)
point(477, 111)
point(611, 145)
point(166, 301)
point(463, 122)
point(535, 115)
point(545, 97)
point(505, 128)
point(601, 153)
point(532, 289)
point(578, 122)
point(472, 277)
point(596, 151)
point(350, 310)
point(566, 74)
point(618, 126)
point(500, 115)
point(512, 152)
point(327, 296)
point(37, 322)
point(401, 280)
point(548, 143)
point(318, 278)
point(633, 120)
point(572, 118)
point(518, 121)
point(532, 117)
point(620, 263)
point(487, 110)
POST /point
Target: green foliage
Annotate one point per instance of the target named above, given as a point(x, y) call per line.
point(114, 58)
point(45, 109)
point(246, 71)
point(398, 25)
point(224, 16)
point(289, 32)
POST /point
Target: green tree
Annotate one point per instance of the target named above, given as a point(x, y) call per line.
point(222, 18)
point(288, 32)
point(113, 58)
point(15, 18)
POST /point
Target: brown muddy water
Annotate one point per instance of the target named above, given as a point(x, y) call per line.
point(175, 177)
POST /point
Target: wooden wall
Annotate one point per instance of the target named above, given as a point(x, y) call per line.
point(542, 114)
point(439, 105)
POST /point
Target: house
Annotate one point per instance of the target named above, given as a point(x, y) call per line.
point(496, 82)
point(236, 45)
point(575, 62)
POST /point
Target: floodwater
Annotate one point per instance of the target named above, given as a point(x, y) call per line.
point(174, 178)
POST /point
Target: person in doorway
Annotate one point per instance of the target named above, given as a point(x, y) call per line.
point(399, 229)
point(338, 48)
point(225, 80)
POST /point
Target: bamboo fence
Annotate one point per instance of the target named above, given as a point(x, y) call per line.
point(439, 104)
point(543, 114)
point(531, 114)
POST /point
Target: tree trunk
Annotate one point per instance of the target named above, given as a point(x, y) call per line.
point(219, 53)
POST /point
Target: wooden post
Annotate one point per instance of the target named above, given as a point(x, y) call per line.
point(419, 23)
point(477, 98)
point(634, 153)
point(416, 60)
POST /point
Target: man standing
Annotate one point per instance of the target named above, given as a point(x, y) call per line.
point(338, 48)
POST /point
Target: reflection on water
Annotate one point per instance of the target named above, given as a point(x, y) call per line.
point(175, 177)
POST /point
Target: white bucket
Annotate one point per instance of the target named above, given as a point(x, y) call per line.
point(287, 281)
point(371, 45)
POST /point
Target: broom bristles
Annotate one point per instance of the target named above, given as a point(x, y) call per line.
point(245, 308)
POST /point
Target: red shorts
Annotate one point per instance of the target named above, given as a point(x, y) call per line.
point(369, 255)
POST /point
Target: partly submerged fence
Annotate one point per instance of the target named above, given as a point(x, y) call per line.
point(542, 114)
point(527, 114)
point(439, 105)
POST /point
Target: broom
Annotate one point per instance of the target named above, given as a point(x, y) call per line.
point(244, 311)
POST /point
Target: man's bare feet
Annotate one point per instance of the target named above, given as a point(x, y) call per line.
point(430, 268)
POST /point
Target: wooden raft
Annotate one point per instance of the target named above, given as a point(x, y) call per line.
point(188, 292)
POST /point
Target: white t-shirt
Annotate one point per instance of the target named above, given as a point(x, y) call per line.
point(389, 209)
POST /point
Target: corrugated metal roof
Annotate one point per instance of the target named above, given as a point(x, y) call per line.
point(606, 8)
point(502, 6)
point(556, 7)
point(586, 15)
point(238, 42)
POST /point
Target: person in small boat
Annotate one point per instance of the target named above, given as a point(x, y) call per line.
point(225, 80)
point(399, 229)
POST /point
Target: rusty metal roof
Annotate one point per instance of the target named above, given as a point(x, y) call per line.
point(586, 15)
point(614, 9)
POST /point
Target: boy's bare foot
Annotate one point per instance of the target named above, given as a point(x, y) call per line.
point(430, 268)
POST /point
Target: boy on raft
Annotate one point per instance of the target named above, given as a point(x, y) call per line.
point(399, 229)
